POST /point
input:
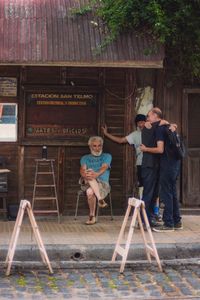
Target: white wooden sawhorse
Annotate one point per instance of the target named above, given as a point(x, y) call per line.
point(25, 205)
point(139, 207)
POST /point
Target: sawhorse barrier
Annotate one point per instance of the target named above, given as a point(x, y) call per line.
point(25, 206)
point(139, 207)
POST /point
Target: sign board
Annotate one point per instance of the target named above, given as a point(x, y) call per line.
point(60, 99)
point(60, 114)
point(8, 87)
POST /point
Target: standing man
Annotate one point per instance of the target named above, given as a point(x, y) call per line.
point(169, 171)
point(134, 138)
point(95, 172)
point(150, 167)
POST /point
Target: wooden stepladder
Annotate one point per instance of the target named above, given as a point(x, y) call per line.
point(139, 207)
point(25, 206)
point(44, 189)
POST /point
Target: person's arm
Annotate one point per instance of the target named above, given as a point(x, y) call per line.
point(83, 171)
point(154, 150)
point(173, 126)
point(91, 174)
point(117, 139)
point(159, 139)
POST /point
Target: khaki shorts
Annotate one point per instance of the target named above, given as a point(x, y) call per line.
point(104, 187)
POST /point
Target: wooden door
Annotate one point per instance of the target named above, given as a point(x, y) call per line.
point(191, 132)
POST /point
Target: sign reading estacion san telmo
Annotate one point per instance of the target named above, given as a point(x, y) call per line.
point(60, 114)
point(61, 99)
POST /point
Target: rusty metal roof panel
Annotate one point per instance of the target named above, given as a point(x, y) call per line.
point(37, 32)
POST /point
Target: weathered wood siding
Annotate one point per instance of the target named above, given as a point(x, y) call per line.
point(116, 98)
point(110, 86)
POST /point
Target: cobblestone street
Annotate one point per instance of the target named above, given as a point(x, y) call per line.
point(178, 281)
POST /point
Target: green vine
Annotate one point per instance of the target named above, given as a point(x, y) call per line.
point(174, 23)
point(81, 10)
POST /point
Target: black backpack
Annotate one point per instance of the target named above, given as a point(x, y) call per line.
point(175, 147)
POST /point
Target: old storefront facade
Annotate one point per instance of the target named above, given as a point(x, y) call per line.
point(56, 91)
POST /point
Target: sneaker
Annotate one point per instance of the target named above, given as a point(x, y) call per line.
point(153, 223)
point(102, 203)
point(178, 226)
point(163, 228)
point(158, 218)
point(91, 220)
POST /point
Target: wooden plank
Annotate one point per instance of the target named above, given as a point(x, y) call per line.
point(21, 172)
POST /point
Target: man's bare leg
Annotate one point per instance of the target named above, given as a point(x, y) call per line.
point(91, 201)
point(95, 187)
point(91, 198)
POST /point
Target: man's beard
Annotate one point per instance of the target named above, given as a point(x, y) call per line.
point(96, 153)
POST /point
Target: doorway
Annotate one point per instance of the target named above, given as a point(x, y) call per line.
point(191, 164)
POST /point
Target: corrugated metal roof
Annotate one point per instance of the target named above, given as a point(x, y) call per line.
point(37, 32)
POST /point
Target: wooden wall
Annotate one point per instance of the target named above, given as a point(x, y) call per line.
point(21, 155)
point(116, 93)
point(10, 150)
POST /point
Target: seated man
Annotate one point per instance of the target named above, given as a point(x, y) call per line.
point(95, 172)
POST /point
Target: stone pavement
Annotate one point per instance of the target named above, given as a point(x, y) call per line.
point(178, 281)
point(73, 239)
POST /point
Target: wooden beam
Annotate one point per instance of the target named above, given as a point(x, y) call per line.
point(104, 64)
point(21, 172)
point(128, 168)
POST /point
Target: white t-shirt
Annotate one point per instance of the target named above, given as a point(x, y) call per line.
point(135, 138)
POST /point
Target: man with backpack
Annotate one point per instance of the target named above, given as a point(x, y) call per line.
point(169, 171)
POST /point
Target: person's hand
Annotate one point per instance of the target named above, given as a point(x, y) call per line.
point(104, 129)
point(148, 125)
point(173, 127)
point(90, 174)
point(143, 148)
point(163, 122)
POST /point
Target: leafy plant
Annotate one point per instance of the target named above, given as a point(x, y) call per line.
point(81, 10)
point(21, 281)
point(174, 23)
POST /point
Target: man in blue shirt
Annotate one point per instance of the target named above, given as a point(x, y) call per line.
point(95, 173)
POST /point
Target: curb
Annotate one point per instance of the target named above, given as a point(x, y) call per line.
point(97, 252)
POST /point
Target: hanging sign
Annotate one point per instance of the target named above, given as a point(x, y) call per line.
point(60, 114)
point(60, 99)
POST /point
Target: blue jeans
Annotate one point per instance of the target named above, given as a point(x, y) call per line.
point(169, 171)
point(150, 178)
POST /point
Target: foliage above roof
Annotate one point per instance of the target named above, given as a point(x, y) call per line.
point(175, 23)
point(45, 32)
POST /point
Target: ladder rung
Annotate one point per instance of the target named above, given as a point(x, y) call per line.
point(43, 160)
point(44, 185)
point(120, 250)
point(44, 173)
point(45, 198)
point(45, 211)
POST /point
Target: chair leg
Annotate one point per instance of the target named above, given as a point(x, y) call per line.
point(77, 204)
point(111, 208)
point(97, 211)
